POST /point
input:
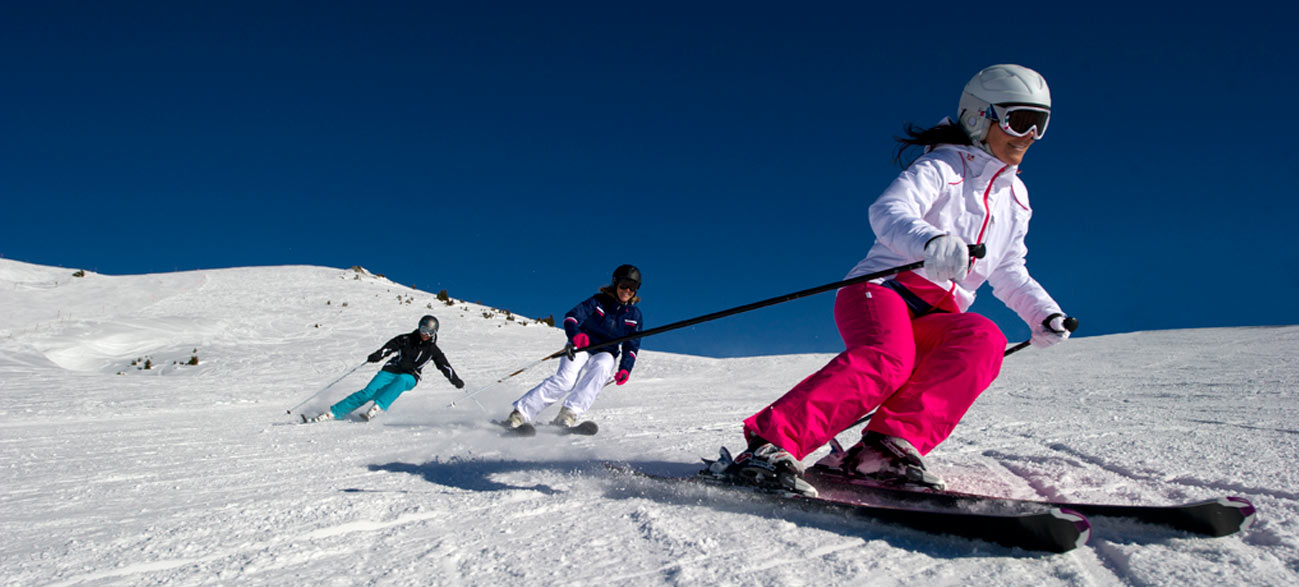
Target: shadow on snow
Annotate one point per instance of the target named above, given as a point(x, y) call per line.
point(494, 475)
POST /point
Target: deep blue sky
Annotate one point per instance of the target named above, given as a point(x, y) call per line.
point(515, 152)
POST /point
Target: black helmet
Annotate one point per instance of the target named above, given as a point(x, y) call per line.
point(429, 325)
point(627, 273)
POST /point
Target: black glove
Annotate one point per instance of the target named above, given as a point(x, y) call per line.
point(568, 351)
point(375, 357)
point(456, 381)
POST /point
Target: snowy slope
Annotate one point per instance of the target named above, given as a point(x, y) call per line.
point(194, 474)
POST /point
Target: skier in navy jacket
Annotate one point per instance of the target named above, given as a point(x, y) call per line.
point(608, 315)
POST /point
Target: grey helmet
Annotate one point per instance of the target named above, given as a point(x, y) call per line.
point(429, 325)
point(999, 84)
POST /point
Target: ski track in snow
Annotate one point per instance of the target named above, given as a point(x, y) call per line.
point(194, 475)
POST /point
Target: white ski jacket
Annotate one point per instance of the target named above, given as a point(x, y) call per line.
point(966, 192)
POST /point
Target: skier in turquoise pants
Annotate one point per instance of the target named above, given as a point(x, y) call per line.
point(409, 352)
point(384, 389)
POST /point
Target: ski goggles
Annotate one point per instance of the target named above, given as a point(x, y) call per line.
point(1018, 121)
point(428, 329)
point(629, 285)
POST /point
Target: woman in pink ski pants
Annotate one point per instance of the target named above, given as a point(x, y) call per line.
point(920, 374)
point(912, 352)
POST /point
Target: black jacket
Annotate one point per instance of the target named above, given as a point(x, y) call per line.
point(411, 352)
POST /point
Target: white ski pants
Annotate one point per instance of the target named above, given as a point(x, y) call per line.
point(581, 379)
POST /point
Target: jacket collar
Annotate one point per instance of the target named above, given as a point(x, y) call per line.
point(983, 165)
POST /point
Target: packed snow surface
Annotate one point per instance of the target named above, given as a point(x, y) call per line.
point(195, 474)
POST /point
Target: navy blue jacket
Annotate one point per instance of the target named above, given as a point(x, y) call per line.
point(603, 318)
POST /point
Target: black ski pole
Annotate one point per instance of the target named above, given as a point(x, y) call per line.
point(322, 390)
point(976, 251)
point(471, 394)
point(1070, 324)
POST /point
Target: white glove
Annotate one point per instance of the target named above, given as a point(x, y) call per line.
point(947, 258)
point(1050, 332)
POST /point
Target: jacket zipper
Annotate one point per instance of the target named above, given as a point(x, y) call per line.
point(987, 211)
point(987, 217)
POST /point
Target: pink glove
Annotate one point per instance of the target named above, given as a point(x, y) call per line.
point(581, 340)
point(622, 377)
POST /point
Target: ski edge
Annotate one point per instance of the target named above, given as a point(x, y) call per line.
point(587, 428)
point(1216, 517)
point(1055, 530)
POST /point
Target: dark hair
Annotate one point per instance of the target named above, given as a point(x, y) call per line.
point(946, 133)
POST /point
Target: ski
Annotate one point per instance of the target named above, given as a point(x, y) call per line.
point(1214, 517)
point(1055, 530)
point(526, 429)
point(587, 428)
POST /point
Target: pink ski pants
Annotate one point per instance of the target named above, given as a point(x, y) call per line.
point(922, 373)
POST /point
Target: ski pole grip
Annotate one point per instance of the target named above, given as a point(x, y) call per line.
point(978, 251)
point(1070, 323)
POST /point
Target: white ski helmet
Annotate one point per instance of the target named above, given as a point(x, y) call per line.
point(999, 85)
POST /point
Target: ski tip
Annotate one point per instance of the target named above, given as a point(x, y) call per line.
point(587, 428)
point(1248, 512)
point(1080, 523)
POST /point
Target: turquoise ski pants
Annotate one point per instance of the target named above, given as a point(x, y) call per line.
point(384, 389)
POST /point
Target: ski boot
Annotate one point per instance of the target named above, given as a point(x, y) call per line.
point(372, 413)
point(323, 417)
point(766, 467)
point(517, 425)
point(566, 418)
point(887, 460)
